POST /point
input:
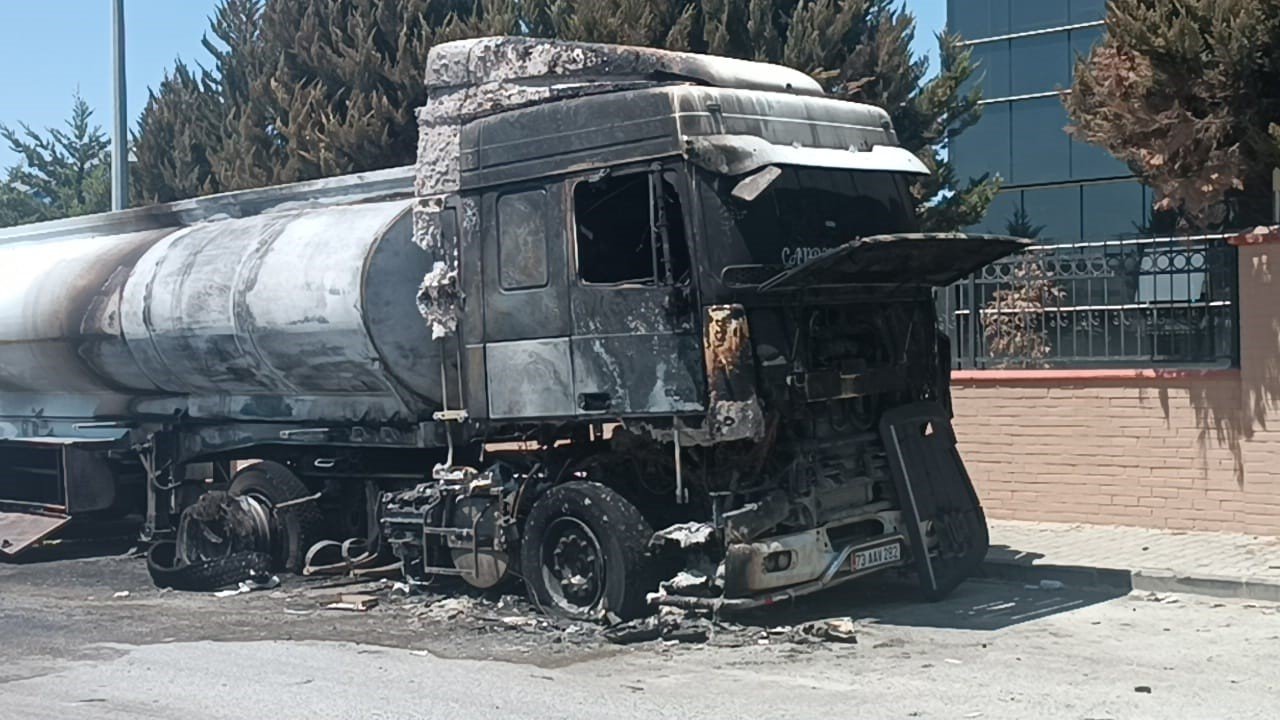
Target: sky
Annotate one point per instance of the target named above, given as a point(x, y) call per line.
point(51, 49)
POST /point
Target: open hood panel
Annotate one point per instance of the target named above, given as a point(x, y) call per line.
point(933, 259)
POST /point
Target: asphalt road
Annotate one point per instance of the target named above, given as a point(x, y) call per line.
point(70, 649)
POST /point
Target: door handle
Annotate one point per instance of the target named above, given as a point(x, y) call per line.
point(595, 401)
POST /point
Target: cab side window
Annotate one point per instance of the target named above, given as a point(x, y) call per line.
point(630, 230)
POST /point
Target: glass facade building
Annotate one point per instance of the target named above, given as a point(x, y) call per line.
point(1026, 52)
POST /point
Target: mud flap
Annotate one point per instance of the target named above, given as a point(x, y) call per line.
point(934, 488)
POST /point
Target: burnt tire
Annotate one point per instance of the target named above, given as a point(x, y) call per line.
point(167, 572)
point(296, 527)
point(567, 526)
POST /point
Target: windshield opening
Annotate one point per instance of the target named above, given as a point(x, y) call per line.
point(802, 214)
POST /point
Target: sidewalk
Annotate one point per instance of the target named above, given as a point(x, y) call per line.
point(1124, 558)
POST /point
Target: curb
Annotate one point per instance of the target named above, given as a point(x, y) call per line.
point(1243, 588)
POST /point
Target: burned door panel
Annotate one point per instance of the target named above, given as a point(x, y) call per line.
point(526, 315)
point(939, 505)
point(525, 291)
point(530, 379)
point(635, 348)
point(636, 374)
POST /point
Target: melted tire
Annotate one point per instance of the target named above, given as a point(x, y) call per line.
point(206, 576)
point(298, 526)
point(623, 537)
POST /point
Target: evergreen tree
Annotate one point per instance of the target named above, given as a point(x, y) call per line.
point(62, 173)
point(859, 49)
point(178, 134)
point(301, 89)
point(1187, 92)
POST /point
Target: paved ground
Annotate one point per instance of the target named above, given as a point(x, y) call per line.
point(1218, 563)
point(72, 650)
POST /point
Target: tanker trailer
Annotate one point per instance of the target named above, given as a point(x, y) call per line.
point(639, 328)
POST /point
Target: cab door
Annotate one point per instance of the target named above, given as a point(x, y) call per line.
point(635, 342)
point(528, 365)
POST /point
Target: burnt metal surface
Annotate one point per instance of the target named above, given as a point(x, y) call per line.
point(374, 186)
point(282, 316)
point(21, 529)
point(530, 379)
point(513, 59)
point(733, 411)
point(936, 259)
point(936, 493)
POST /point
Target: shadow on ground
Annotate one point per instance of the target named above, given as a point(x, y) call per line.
point(82, 540)
point(982, 604)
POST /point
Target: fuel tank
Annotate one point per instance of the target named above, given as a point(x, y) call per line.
point(290, 315)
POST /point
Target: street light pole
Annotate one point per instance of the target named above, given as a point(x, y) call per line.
point(120, 133)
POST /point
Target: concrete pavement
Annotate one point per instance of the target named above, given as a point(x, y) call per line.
point(1217, 564)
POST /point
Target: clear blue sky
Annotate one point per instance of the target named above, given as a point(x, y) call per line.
point(51, 48)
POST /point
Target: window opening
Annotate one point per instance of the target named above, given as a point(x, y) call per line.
point(630, 230)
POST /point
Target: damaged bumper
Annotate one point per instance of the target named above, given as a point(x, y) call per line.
point(783, 567)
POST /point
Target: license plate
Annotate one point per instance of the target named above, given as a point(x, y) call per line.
point(877, 556)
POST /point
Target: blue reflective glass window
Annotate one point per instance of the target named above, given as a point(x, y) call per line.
point(1090, 162)
point(992, 60)
point(1041, 150)
point(976, 19)
point(1000, 212)
point(983, 148)
point(1083, 11)
point(1112, 210)
point(1025, 15)
point(1057, 209)
point(1040, 63)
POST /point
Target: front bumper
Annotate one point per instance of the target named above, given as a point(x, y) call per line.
point(745, 568)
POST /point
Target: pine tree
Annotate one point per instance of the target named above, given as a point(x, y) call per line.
point(1187, 93)
point(62, 173)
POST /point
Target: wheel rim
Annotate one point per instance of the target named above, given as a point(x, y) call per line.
point(201, 541)
point(573, 566)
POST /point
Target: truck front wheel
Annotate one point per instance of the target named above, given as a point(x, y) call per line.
point(585, 552)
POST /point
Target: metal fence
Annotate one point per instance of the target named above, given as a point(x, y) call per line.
point(1146, 302)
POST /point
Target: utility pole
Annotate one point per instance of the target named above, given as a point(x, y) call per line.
point(120, 133)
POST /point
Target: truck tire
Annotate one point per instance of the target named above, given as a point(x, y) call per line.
point(166, 571)
point(584, 552)
point(297, 527)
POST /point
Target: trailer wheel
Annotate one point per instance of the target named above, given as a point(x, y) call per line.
point(296, 527)
point(585, 551)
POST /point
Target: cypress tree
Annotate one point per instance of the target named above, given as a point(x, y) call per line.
point(311, 88)
point(1187, 93)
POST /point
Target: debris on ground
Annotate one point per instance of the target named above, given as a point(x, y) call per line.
point(1047, 585)
point(839, 630)
point(248, 586)
point(121, 594)
point(686, 535)
point(353, 602)
point(1150, 596)
point(1144, 689)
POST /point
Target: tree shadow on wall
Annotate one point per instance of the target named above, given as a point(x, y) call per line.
point(1229, 413)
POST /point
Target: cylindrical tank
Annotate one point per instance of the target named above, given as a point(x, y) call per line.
point(303, 314)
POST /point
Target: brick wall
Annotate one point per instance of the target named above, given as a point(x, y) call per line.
point(1190, 450)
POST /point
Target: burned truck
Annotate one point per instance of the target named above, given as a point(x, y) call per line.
point(638, 328)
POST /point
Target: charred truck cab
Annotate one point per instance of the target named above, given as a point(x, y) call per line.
point(679, 348)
